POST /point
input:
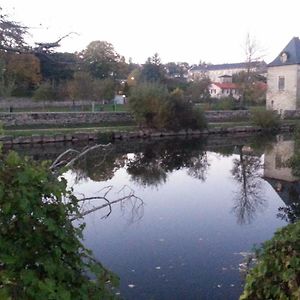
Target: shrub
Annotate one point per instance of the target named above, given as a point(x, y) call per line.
point(277, 273)
point(183, 114)
point(41, 253)
point(227, 103)
point(148, 102)
point(153, 106)
point(44, 92)
point(267, 119)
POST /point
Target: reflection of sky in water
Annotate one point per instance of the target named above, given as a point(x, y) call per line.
point(186, 244)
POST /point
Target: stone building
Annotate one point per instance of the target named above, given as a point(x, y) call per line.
point(284, 79)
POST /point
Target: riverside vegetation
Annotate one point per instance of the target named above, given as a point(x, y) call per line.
point(41, 253)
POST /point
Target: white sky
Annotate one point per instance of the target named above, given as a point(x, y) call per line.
point(179, 30)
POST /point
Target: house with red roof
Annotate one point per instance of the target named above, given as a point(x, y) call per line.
point(224, 88)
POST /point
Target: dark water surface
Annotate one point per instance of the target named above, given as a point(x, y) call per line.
point(203, 206)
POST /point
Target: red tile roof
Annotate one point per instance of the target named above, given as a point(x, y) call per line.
point(226, 85)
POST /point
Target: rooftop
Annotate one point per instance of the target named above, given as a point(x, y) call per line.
point(290, 55)
point(242, 65)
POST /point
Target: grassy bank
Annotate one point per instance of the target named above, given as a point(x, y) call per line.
point(59, 130)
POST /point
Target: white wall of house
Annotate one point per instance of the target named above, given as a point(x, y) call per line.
point(217, 92)
point(285, 96)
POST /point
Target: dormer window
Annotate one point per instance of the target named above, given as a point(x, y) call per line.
point(283, 57)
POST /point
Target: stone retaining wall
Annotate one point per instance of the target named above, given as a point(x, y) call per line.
point(29, 103)
point(227, 115)
point(94, 136)
point(62, 118)
point(68, 118)
point(73, 118)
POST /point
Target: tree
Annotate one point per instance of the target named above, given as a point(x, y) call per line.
point(21, 72)
point(12, 34)
point(251, 87)
point(85, 87)
point(198, 90)
point(57, 67)
point(101, 60)
point(182, 114)
point(153, 70)
point(154, 107)
point(81, 87)
point(104, 89)
point(148, 102)
point(248, 81)
point(253, 53)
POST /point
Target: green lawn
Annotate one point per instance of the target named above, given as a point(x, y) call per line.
point(53, 131)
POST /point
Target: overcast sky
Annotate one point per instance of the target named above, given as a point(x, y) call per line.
point(179, 30)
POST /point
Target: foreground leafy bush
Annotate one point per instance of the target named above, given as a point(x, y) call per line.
point(267, 119)
point(41, 254)
point(277, 274)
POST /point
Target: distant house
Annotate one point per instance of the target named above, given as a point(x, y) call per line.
point(284, 79)
point(224, 88)
point(215, 72)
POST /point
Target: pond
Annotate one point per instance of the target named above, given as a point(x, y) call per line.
point(202, 206)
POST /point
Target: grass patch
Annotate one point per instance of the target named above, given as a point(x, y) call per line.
point(70, 126)
point(54, 131)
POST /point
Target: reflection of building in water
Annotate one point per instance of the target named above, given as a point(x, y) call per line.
point(276, 159)
point(278, 174)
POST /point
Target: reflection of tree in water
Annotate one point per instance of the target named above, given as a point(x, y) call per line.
point(99, 165)
point(151, 167)
point(145, 169)
point(246, 171)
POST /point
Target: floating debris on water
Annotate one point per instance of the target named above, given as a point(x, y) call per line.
point(131, 286)
point(243, 267)
point(219, 285)
point(158, 268)
point(232, 285)
point(133, 270)
point(244, 254)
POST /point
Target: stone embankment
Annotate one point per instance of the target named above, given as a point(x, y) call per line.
point(63, 119)
point(141, 134)
point(76, 118)
point(27, 103)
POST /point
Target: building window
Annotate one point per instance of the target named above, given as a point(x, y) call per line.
point(281, 83)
